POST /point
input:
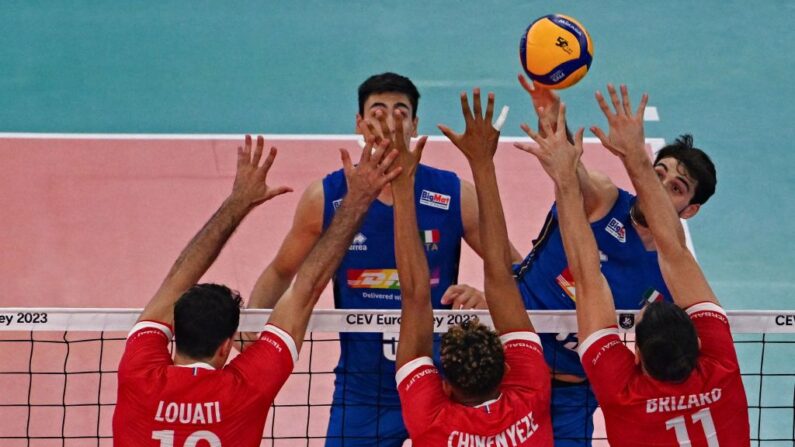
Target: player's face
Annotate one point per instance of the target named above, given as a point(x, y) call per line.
point(679, 185)
point(387, 103)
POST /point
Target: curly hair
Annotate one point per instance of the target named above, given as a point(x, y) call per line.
point(472, 358)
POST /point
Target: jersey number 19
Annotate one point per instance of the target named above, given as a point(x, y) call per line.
point(166, 438)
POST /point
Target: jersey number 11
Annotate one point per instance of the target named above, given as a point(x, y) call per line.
point(703, 416)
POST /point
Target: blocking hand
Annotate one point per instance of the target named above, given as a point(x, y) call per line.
point(557, 155)
point(407, 159)
point(367, 178)
point(250, 186)
point(479, 140)
point(625, 136)
point(544, 99)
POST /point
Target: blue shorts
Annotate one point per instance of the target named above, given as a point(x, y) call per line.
point(573, 406)
point(354, 425)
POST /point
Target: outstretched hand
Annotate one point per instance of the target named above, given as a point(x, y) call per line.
point(479, 140)
point(545, 100)
point(557, 155)
point(367, 178)
point(626, 135)
point(407, 159)
point(250, 186)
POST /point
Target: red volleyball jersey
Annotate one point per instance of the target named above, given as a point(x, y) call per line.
point(518, 417)
point(160, 404)
point(708, 409)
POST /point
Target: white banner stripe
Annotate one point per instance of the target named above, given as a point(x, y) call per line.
point(353, 320)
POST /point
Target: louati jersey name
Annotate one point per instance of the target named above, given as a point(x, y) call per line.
point(381, 278)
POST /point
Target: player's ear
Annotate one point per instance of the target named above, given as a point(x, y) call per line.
point(637, 354)
point(690, 211)
point(356, 128)
point(223, 351)
point(447, 388)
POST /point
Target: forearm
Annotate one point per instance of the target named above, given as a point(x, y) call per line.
point(661, 216)
point(595, 308)
point(416, 326)
point(505, 303)
point(195, 259)
point(578, 239)
point(326, 255)
point(412, 264)
point(497, 253)
point(270, 286)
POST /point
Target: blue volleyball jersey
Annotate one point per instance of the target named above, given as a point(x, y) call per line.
point(545, 281)
point(367, 277)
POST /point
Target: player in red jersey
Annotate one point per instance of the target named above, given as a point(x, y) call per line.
point(194, 399)
point(496, 389)
point(682, 385)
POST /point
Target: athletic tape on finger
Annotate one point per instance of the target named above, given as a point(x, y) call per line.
point(501, 118)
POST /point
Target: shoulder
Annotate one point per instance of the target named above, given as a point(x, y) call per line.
point(707, 310)
point(598, 342)
point(429, 174)
point(521, 339)
point(430, 170)
point(418, 370)
point(147, 329)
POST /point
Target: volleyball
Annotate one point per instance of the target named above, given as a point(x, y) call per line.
point(556, 51)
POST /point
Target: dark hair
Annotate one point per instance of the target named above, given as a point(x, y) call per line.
point(698, 165)
point(204, 316)
point(389, 83)
point(667, 342)
point(472, 358)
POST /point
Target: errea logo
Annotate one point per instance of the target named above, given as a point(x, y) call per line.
point(358, 243)
point(435, 199)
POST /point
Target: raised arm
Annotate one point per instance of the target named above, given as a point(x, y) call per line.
point(598, 191)
point(365, 181)
point(679, 268)
point(250, 189)
point(559, 158)
point(279, 274)
point(416, 313)
point(479, 143)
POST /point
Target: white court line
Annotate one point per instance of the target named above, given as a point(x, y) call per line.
point(653, 142)
point(650, 114)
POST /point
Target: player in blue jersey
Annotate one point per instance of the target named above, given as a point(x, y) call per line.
point(627, 253)
point(366, 407)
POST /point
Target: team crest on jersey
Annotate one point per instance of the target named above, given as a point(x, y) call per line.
point(617, 230)
point(336, 204)
point(435, 199)
point(431, 238)
point(626, 321)
point(358, 243)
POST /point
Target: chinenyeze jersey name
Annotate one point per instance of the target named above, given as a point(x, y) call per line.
point(517, 434)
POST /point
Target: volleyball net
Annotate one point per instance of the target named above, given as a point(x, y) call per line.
point(58, 371)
